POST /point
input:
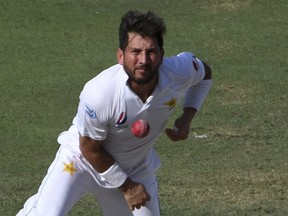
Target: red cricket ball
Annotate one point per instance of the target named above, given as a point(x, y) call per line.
point(140, 128)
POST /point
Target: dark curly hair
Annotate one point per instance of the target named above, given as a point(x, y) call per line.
point(145, 24)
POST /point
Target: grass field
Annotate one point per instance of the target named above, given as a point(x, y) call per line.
point(49, 49)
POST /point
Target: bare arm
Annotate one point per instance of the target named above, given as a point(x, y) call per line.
point(208, 71)
point(93, 151)
point(182, 124)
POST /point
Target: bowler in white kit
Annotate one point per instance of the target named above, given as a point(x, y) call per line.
point(99, 154)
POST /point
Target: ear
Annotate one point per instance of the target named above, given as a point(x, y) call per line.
point(120, 55)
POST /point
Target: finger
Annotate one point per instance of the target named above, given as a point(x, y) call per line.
point(173, 135)
point(176, 136)
point(138, 206)
point(170, 132)
point(148, 198)
point(131, 208)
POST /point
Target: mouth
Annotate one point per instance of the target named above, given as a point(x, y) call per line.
point(142, 69)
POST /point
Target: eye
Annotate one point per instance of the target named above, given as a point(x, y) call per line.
point(135, 51)
point(152, 52)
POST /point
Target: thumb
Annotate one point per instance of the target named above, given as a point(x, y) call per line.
point(172, 134)
point(173, 131)
point(148, 198)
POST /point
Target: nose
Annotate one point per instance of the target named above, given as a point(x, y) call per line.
point(144, 57)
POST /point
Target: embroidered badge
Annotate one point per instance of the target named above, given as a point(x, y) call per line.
point(70, 168)
point(171, 103)
point(121, 119)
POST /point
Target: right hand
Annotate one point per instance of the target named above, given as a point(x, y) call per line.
point(135, 194)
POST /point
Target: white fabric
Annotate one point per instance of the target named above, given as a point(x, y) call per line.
point(114, 176)
point(106, 111)
point(196, 95)
point(60, 190)
point(108, 116)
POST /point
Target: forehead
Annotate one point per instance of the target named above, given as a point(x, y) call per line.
point(137, 41)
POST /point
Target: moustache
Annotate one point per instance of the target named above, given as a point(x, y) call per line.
point(143, 67)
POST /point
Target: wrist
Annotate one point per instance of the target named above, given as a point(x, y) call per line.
point(188, 115)
point(189, 112)
point(115, 176)
point(128, 184)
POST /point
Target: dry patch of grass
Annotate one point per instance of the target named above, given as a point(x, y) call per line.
point(229, 4)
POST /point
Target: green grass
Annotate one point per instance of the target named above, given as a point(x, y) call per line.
point(49, 49)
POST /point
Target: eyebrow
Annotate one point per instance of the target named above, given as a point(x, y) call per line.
point(149, 49)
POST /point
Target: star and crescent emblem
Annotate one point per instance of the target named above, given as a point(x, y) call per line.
point(171, 103)
point(70, 168)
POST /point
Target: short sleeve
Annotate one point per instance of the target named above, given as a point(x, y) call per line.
point(92, 119)
point(193, 67)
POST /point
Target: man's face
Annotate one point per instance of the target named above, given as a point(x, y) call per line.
point(141, 58)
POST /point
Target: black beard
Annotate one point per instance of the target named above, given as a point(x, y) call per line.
point(141, 81)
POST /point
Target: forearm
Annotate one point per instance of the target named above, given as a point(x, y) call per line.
point(96, 155)
point(189, 113)
point(109, 171)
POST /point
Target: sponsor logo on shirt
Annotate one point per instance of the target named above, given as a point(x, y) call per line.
point(90, 111)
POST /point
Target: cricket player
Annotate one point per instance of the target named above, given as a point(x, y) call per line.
point(99, 154)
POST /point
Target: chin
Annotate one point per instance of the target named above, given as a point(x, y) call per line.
point(142, 81)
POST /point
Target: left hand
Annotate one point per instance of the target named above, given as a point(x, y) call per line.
point(182, 125)
point(180, 131)
point(135, 194)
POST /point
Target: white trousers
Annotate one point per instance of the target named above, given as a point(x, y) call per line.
point(68, 178)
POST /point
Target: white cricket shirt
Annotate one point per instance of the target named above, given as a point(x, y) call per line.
point(108, 108)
